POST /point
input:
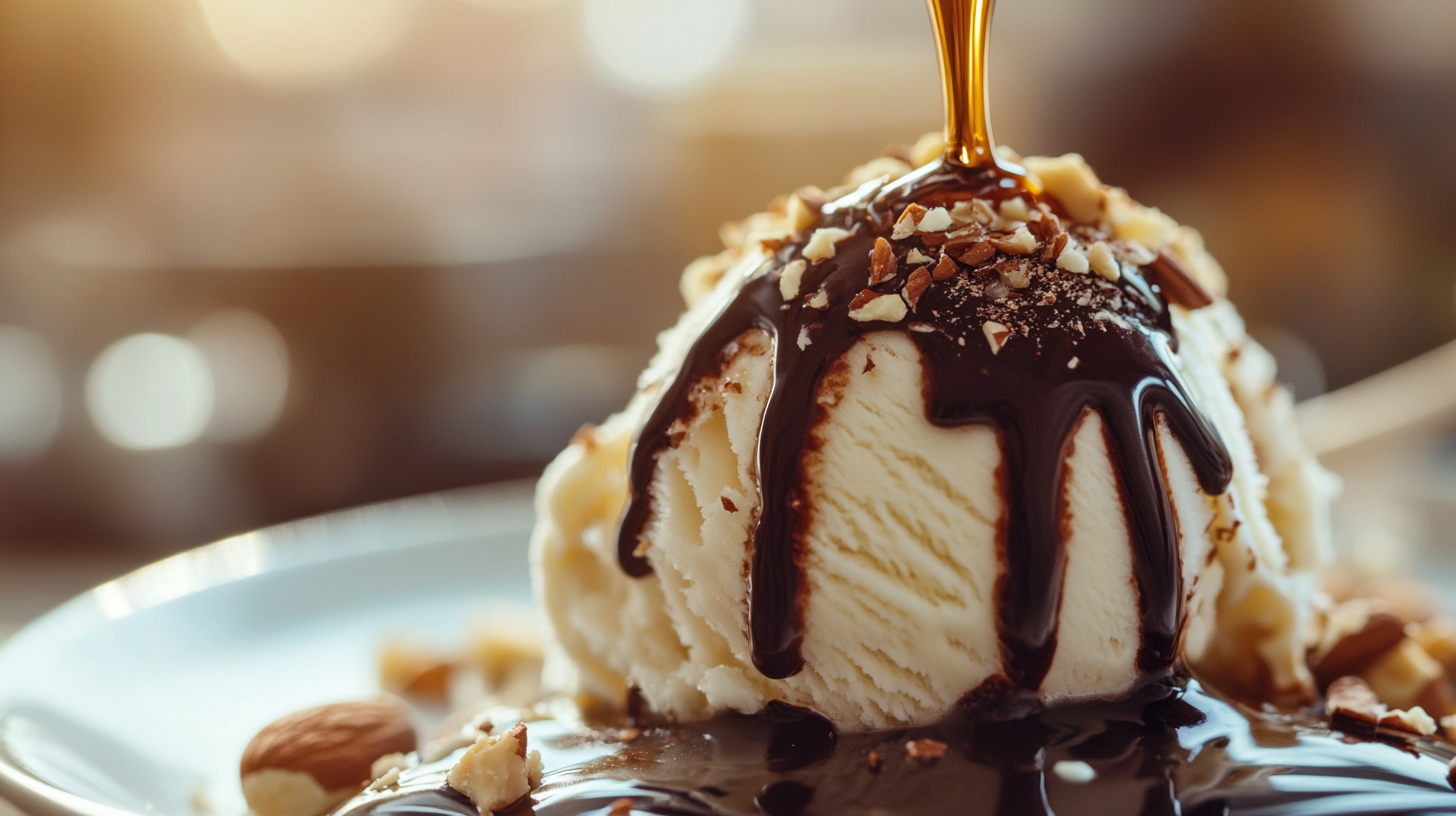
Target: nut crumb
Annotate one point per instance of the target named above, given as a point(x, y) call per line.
point(819, 300)
point(978, 254)
point(996, 335)
point(936, 220)
point(945, 270)
point(882, 262)
point(728, 505)
point(869, 364)
point(908, 222)
point(790, 278)
point(821, 244)
point(925, 751)
point(915, 256)
point(1074, 362)
point(869, 306)
point(1074, 261)
point(1103, 262)
point(916, 287)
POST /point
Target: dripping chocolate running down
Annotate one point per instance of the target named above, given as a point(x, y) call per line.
point(1027, 388)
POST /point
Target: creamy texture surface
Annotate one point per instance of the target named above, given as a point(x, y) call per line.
point(900, 558)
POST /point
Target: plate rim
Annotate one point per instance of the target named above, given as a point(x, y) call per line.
point(268, 549)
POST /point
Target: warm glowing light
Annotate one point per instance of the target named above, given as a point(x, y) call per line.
point(293, 41)
point(30, 395)
point(150, 391)
point(663, 46)
point(249, 364)
point(514, 5)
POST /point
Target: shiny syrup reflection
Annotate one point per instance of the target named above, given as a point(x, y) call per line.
point(963, 40)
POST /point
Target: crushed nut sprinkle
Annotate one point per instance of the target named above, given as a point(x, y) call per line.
point(936, 220)
point(945, 270)
point(883, 266)
point(728, 504)
point(791, 277)
point(996, 335)
point(869, 306)
point(916, 287)
point(978, 254)
point(821, 244)
point(925, 751)
point(908, 222)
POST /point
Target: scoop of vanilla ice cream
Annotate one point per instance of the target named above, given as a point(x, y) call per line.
point(900, 558)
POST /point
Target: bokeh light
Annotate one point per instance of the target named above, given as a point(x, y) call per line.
point(657, 47)
point(150, 391)
point(304, 41)
point(514, 5)
point(30, 395)
point(249, 363)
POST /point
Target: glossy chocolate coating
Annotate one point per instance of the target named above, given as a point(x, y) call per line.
point(1078, 343)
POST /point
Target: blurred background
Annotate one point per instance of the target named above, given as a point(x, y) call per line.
point(261, 259)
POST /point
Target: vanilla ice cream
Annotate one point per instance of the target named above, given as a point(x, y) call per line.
point(908, 445)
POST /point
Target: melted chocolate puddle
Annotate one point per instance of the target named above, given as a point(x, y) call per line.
point(1078, 343)
point(1170, 748)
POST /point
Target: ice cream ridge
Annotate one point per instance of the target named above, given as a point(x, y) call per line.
point(967, 426)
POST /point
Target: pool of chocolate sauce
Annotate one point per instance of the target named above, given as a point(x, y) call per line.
point(1171, 748)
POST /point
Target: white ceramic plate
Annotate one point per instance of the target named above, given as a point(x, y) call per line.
point(138, 696)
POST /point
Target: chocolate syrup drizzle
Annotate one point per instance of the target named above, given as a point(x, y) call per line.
point(1108, 349)
point(1171, 747)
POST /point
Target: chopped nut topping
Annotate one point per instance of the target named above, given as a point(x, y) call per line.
point(916, 287)
point(996, 335)
point(1413, 721)
point(1354, 638)
point(728, 504)
point(945, 270)
point(804, 340)
point(1055, 247)
point(908, 222)
point(1022, 242)
point(819, 300)
point(936, 220)
point(985, 216)
point(1074, 362)
point(1072, 260)
point(1350, 697)
point(497, 771)
point(882, 262)
point(978, 254)
point(821, 244)
point(1103, 262)
point(870, 306)
point(925, 751)
point(1138, 254)
point(1014, 274)
point(1015, 210)
point(1178, 284)
point(790, 278)
point(964, 212)
point(915, 256)
point(802, 215)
